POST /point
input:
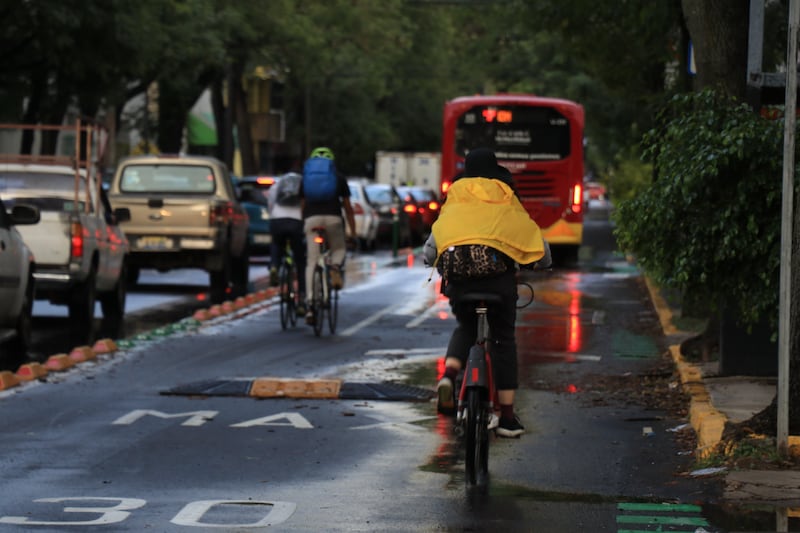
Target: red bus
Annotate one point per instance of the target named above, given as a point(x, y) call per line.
point(540, 140)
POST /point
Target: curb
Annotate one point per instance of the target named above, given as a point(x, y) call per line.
point(707, 421)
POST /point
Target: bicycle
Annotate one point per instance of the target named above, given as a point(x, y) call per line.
point(324, 298)
point(287, 288)
point(477, 396)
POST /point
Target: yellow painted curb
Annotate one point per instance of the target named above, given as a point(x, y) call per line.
point(8, 380)
point(31, 371)
point(295, 388)
point(59, 362)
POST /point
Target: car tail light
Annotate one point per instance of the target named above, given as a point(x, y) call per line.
point(433, 206)
point(76, 240)
point(577, 198)
point(220, 214)
point(410, 209)
point(357, 209)
point(265, 180)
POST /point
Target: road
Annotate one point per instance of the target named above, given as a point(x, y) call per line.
point(163, 436)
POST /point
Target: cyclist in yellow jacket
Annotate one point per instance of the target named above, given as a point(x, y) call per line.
point(483, 208)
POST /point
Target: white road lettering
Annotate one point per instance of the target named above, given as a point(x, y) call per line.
point(192, 513)
point(292, 419)
point(195, 418)
point(108, 515)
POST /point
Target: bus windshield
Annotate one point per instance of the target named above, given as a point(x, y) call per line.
point(514, 132)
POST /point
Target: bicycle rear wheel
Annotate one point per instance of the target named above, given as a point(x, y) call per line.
point(318, 301)
point(476, 464)
point(333, 307)
point(294, 296)
point(285, 293)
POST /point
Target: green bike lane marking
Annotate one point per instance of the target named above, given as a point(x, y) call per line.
point(668, 517)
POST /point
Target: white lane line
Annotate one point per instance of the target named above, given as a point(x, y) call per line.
point(367, 321)
point(423, 316)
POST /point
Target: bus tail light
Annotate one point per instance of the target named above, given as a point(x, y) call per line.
point(577, 198)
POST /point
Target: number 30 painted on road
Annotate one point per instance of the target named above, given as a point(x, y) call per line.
point(190, 515)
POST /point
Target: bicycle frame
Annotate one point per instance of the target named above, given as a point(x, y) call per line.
point(478, 369)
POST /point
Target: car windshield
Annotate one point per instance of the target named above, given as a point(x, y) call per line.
point(47, 191)
point(377, 194)
point(168, 179)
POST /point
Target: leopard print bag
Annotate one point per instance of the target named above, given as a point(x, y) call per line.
point(471, 261)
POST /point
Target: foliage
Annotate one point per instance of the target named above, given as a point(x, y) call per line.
point(628, 177)
point(709, 225)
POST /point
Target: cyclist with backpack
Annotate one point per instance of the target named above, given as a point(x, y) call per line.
point(286, 225)
point(324, 195)
point(482, 233)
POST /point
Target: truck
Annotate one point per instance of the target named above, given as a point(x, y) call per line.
point(79, 247)
point(420, 169)
point(184, 213)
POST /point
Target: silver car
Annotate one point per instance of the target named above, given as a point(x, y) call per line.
point(365, 214)
point(16, 280)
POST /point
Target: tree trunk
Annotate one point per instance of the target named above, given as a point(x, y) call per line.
point(718, 30)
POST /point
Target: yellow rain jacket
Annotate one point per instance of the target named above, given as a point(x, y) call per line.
point(486, 211)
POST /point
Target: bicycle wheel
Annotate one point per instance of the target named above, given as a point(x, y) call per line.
point(476, 464)
point(293, 294)
point(285, 295)
point(318, 301)
point(333, 307)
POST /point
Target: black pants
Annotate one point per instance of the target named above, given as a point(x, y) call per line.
point(502, 323)
point(289, 229)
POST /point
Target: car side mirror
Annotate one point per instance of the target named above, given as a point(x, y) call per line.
point(25, 215)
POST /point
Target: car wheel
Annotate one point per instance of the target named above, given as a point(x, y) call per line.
point(113, 302)
point(241, 273)
point(81, 309)
point(21, 342)
point(220, 280)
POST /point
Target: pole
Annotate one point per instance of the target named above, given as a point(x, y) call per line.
point(787, 219)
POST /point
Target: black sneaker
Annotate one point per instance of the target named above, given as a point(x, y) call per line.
point(445, 402)
point(510, 428)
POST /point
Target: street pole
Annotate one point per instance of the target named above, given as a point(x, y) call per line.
point(787, 219)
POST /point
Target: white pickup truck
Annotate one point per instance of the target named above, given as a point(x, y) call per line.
point(80, 249)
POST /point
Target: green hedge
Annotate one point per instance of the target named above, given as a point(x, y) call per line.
point(709, 224)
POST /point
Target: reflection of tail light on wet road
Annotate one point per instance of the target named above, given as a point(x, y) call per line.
point(543, 332)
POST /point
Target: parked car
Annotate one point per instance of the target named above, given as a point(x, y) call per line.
point(184, 213)
point(365, 214)
point(16, 270)
point(389, 205)
point(427, 206)
point(253, 192)
point(81, 252)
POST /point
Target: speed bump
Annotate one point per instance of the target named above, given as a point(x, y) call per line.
point(295, 388)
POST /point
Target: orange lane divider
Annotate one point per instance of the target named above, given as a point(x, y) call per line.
point(202, 315)
point(215, 310)
point(8, 380)
point(295, 388)
point(59, 362)
point(104, 346)
point(31, 371)
point(80, 354)
point(227, 307)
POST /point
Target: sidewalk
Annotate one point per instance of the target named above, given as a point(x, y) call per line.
point(716, 400)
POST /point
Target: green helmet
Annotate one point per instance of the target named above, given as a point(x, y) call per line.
point(322, 151)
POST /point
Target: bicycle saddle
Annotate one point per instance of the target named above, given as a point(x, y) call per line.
point(478, 297)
